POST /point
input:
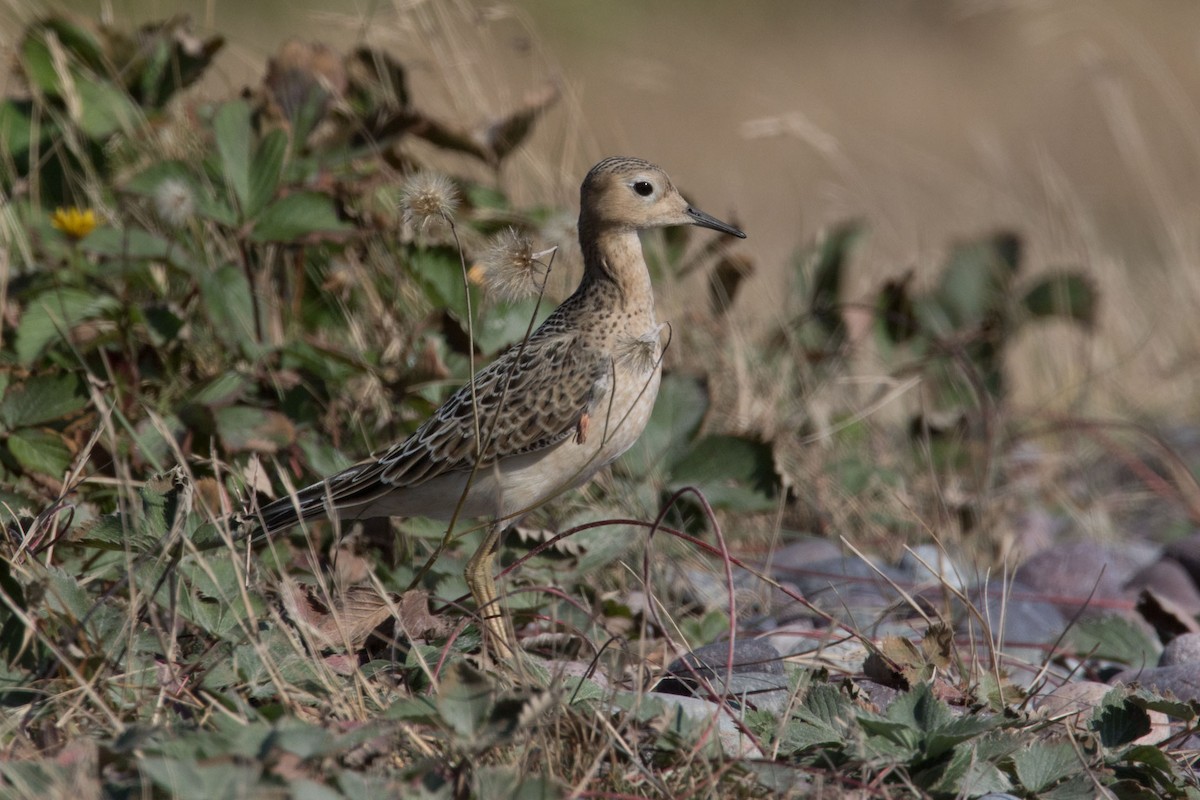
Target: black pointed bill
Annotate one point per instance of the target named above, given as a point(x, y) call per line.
point(705, 221)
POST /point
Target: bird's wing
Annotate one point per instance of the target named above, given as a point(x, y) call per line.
point(530, 398)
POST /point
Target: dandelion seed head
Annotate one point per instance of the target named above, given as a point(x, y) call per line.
point(174, 202)
point(511, 270)
point(640, 353)
point(428, 196)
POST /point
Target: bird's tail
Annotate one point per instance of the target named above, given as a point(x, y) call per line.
point(307, 504)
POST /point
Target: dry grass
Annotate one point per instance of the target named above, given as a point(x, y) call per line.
point(337, 661)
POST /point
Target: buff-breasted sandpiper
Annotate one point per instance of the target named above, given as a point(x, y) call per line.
point(551, 412)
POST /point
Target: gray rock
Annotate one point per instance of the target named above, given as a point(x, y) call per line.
point(757, 679)
point(930, 564)
point(733, 741)
point(1187, 552)
point(880, 696)
point(1168, 578)
point(1071, 572)
point(1183, 649)
point(851, 591)
point(1030, 625)
point(1180, 680)
point(752, 596)
point(802, 554)
point(749, 655)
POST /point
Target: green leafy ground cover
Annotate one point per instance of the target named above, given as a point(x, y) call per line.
point(210, 302)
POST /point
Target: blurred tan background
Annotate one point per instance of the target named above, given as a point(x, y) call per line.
point(1075, 123)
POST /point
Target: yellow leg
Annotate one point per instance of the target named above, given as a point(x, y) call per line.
point(498, 632)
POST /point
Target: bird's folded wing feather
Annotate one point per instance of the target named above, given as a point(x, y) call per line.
point(530, 398)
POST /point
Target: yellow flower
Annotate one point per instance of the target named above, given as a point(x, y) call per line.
point(75, 223)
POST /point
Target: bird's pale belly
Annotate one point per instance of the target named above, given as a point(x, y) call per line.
point(616, 422)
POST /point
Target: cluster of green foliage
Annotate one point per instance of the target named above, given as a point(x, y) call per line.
point(210, 300)
point(971, 755)
point(163, 306)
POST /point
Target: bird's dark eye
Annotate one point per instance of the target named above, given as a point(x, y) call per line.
point(644, 188)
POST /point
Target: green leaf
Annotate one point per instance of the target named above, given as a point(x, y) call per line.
point(35, 778)
point(1149, 755)
point(54, 313)
point(1148, 700)
point(580, 690)
point(132, 243)
point(439, 271)
point(17, 129)
point(216, 209)
point(419, 709)
point(716, 464)
point(244, 428)
point(1118, 721)
point(79, 43)
point(150, 444)
point(227, 299)
point(104, 108)
point(221, 390)
point(962, 729)
point(40, 451)
point(1046, 764)
point(504, 325)
point(975, 281)
point(298, 216)
point(1068, 295)
point(322, 457)
point(148, 181)
point(966, 776)
point(827, 277)
point(188, 779)
point(480, 196)
point(823, 719)
point(1077, 787)
point(265, 170)
point(465, 700)
point(41, 399)
point(302, 739)
point(895, 314)
point(888, 739)
point(164, 498)
point(38, 65)
point(918, 708)
point(64, 594)
point(110, 532)
point(513, 784)
point(231, 127)
point(1113, 637)
point(13, 504)
point(169, 57)
point(308, 789)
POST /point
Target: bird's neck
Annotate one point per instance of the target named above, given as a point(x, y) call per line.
point(613, 260)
